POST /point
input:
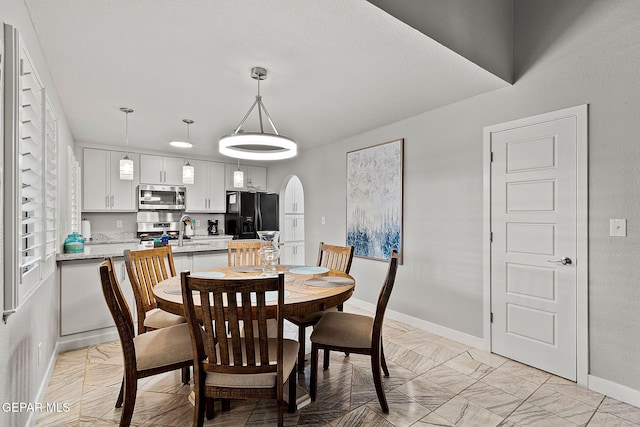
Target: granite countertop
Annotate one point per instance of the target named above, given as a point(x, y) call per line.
point(101, 250)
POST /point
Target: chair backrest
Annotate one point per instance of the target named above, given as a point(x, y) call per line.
point(119, 310)
point(383, 297)
point(146, 268)
point(335, 257)
point(243, 253)
point(226, 306)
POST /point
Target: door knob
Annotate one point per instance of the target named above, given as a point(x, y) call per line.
point(564, 260)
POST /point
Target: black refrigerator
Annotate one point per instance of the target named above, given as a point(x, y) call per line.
point(248, 213)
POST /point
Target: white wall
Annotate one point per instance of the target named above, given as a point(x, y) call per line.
point(567, 53)
point(21, 377)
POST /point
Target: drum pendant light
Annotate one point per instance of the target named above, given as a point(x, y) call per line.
point(188, 171)
point(257, 145)
point(126, 164)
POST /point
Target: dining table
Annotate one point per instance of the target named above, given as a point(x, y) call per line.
point(307, 289)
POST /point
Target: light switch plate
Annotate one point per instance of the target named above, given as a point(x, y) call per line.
point(618, 227)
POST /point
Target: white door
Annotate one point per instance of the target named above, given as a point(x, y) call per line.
point(534, 251)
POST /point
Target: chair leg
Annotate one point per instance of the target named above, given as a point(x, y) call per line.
point(201, 404)
point(313, 382)
point(209, 408)
point(121, 395)
point(377, 380)
point(301, 340)
point(186, 374)
point(340, 307)
point(292, 392)
point(383, 360)
point(325, 362)
point(130, 389)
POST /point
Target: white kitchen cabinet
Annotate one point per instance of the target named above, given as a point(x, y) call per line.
point(207, 260)
point(102, 188)
point(182, 262)
point(292, 253)
point(161, 170)
point(293, 228)
point(82, 304)
point(294, 197)
point(255, 177)
point(207, 193)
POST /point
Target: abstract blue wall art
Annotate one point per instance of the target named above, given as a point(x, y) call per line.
point(374, 200)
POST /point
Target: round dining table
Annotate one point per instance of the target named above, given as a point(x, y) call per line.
point(307, 289)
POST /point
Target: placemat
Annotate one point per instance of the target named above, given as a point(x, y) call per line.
point(308, 270)
point(247, 269)
point(328, 281)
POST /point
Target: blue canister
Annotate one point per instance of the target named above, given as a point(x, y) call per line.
point(74, 243)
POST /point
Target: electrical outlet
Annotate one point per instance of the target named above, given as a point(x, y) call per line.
point(618, 227)
point(197, 223)
point(119, 223)
point(322, 219)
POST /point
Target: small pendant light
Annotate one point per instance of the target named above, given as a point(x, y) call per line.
point(188, 171)
point(238, 177)
point(126, 164)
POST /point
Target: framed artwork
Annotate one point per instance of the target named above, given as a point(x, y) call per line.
point(374, 200)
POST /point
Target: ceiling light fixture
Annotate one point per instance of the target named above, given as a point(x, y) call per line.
point(257, 145)
point(188, 171)
point(126, 164)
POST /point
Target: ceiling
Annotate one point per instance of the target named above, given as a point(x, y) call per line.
point(336, 69)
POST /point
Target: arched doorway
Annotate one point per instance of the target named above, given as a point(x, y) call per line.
point(293, 231)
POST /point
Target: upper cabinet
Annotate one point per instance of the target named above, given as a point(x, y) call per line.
point(102, 188)
point(207, 193)
point(161, 170)
point(255, 177)
point(294, 197)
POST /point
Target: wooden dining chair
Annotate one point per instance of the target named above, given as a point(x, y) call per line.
point(355, 333)
point(151, 353)
point(242, 252)
point(145, 269)
point(335, 258)
point(229, 364)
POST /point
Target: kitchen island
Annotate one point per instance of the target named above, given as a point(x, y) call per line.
point(84, 317)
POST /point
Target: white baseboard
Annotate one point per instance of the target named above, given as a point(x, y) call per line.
point(73, 342)
point(445, 332)
point(615, 390)
point(42, 390)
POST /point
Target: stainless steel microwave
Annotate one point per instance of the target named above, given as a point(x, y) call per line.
point(166, 197)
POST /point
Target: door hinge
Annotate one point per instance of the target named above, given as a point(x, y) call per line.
point(491, 237)
point(491, 318)
point(491, 157)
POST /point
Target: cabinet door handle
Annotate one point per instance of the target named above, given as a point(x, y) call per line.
point(112, 200)
point(106, 201)
point(160, 176)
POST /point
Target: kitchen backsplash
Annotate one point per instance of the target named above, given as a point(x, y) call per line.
point(104, 225)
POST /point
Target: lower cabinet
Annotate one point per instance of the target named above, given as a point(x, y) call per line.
point(82, 304)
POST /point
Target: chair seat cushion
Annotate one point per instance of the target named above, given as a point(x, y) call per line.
point(163, 347)
point(268, 380)
point(157, 318)
point(310, 318)
point(341, 329)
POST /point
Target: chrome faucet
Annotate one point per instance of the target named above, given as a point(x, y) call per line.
point(183, 222)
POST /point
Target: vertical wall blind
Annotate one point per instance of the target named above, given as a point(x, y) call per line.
point(31, 161)
point(31, 175)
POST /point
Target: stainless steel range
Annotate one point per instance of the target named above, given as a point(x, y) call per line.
point(153, 224)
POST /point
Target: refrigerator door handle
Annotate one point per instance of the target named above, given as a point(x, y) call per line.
point(258, 214)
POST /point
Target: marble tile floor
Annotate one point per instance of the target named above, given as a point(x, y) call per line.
point(434, 382)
